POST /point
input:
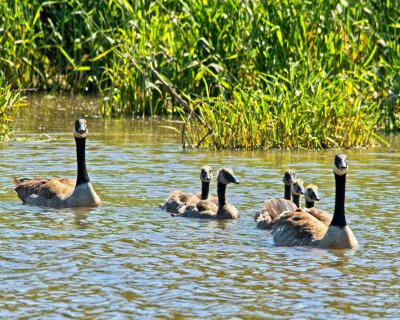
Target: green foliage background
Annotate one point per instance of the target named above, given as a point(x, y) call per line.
point(260, 74)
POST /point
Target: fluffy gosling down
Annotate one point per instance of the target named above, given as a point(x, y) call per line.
point(300, 228)
point(273, 208)
point(178, 200)
point(62, 192)
point(208, 209)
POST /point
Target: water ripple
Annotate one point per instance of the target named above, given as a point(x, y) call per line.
point(129, 259)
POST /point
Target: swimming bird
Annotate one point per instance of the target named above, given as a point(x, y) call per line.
point(299, 228)
point(310, 196)
point(297, 189)
point(207, 209)
point(274, 207)
point(62, 192)
point(288, 177)
point(178, 200)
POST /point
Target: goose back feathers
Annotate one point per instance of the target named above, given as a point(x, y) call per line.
point(310, 196)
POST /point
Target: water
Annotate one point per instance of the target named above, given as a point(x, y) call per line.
point(128, 259)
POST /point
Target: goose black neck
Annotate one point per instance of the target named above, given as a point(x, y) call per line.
point(221, 191)
point(287, 192)
point(339, 218)
point(205, 189)
point(80, 157)
point(309, 204)
point(296, 200)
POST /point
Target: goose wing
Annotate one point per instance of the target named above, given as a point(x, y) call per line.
point(197, 209)
point(272, 210)
point(44, 188)
point(177, 201)
point(298, 228)
point(321, 215)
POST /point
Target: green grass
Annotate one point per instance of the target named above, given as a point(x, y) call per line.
point(10, 101)
point(282, 74)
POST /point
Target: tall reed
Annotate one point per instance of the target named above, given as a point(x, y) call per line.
point(10, 101)
point(287, 74)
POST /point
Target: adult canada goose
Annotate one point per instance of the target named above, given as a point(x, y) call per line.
point(299, 228)
point(178, 200)
point(207, 209)
point(273, 208)
point(62, 192)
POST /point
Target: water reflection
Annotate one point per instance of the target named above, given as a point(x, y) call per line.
point(129, 259)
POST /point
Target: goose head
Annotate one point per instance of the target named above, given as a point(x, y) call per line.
point(340, 166)
point(289, 177)
point(80, 128)
point(297, 188)
point(311, 193)
point(205, 174)
point(226, 176)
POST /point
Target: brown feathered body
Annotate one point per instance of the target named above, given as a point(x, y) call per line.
point(56, 193)
point(271, 212)
point(321, 215)
point(177, 200)
point(300, 228)
point(208, 209)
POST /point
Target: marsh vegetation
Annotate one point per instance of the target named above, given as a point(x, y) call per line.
point(287, 74)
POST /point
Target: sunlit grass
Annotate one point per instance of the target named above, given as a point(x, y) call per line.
point(283, 74)
point(10, 101)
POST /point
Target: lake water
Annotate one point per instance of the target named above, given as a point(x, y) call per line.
point(129, 260)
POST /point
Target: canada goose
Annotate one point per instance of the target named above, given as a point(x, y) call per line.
point(299, 228)
point(207, 209)
point(297, 189)
point(177, 199)
point(276, 206)
point(62, 192)
point(288, 177)
point(310, 196)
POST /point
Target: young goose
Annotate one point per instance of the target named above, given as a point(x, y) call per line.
point(299, 228)
point(288, 177)
point(207, 209)
point(297, 189)
point(178, 200)
point(310, 196)
point(62, 192)
point(273, 208)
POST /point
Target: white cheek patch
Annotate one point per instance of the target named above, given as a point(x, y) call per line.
point(80, 135)
point(340, 172)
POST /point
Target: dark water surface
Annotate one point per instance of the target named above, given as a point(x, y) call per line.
point(129, 260)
